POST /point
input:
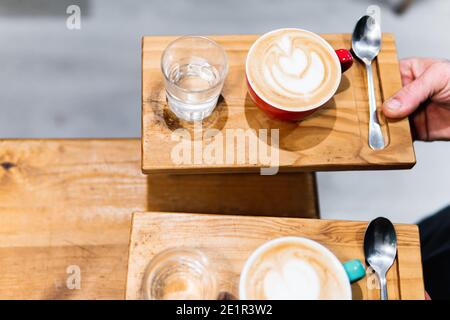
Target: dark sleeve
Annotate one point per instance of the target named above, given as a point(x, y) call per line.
point(435, 245)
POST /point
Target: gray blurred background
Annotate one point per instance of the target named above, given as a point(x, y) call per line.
point(56, 82)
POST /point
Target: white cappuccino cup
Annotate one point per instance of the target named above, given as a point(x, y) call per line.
point(296, 268)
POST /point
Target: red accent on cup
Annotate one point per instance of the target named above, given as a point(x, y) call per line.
point(346, 60)
point(275, 112)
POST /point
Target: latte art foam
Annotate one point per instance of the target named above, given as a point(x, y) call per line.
point(294, 271)
point(293, 68)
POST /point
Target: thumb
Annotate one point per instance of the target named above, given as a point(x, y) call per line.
point(409, 98)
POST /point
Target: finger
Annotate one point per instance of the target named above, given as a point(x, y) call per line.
point(408, 99)
point(419, 65)
point(412, 68)
point(406, 71)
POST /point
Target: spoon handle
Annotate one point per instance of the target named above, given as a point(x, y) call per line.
point(383, 287)
point(376, 140)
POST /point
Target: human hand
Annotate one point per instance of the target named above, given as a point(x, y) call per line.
point(425, 98)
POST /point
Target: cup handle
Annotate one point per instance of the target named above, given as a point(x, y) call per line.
point(354, 269)
point(345, 58)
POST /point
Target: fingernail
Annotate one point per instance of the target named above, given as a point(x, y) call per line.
point(393, 104)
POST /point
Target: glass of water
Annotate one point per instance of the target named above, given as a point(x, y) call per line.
point(180, 274)
point(194, 71)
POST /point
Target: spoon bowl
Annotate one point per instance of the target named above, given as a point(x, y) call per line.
point(366, 39)
point(380, 249)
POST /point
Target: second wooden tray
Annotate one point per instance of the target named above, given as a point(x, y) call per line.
point(334, 138)
point(229, 240)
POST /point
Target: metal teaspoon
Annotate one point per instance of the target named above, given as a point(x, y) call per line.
point(380, 249)
point(366, 44)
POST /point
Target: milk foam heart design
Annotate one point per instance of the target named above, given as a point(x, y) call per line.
point(294, 280)
point(293, 69)
point(293, 65)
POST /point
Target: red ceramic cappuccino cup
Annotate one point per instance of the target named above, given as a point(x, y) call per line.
point(291, 72)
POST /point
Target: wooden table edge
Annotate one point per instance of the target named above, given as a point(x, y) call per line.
point(406, 292)
point(125, 292)
point(199, 214)
point(283, 169)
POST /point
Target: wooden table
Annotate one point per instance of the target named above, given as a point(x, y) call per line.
point(68, 203)
point(334, 138)
point(229, 240)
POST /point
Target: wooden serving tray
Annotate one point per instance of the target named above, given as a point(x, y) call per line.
point(229, 240)
point(334, 138)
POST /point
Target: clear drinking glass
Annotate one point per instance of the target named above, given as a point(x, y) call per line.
point(180, 274)
point(194, 71)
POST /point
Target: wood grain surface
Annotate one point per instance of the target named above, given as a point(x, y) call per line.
point(69, 202)
point(334, 138)
point(228, 241)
